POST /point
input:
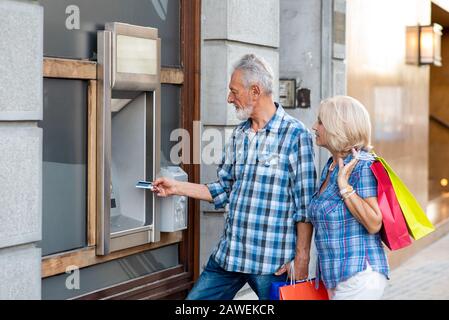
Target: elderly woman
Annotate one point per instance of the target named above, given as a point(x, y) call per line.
point(344, 211)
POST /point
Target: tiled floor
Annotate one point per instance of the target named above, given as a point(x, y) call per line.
point(246, 293)
point(424, 276)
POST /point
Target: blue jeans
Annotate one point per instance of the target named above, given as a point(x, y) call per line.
point(215, 283)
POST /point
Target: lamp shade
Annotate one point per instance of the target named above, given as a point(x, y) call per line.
point(412, 45)
point(423, 45)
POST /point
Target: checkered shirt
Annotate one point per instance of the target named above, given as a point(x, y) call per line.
point(268, 182)
point(344, 245)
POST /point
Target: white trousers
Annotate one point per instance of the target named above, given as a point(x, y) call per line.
point(365, 285)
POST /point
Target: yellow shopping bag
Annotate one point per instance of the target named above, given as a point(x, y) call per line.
point(417, 222)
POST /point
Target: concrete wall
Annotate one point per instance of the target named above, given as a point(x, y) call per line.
point(312, 51)
point(230, 29)
point(21, 40)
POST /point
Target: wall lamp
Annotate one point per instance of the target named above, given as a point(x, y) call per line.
point(423, 45)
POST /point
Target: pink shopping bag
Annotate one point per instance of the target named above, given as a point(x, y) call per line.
point(394, 232)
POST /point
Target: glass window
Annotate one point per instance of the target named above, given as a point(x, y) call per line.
point(170, 118)
point(64, 165)
point(70, 26)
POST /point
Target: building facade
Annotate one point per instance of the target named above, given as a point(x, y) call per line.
point(52, 123)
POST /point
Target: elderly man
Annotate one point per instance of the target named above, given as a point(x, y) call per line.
point(267, 176)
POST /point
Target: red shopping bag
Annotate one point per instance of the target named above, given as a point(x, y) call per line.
point(303, 291)
point(394, 232)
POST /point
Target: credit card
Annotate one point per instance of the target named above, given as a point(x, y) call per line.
point(145, 185)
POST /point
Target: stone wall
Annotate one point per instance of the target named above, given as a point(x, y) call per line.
point(230, 29)
point(21, 41)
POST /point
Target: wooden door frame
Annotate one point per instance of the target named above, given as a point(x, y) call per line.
point(190, 111)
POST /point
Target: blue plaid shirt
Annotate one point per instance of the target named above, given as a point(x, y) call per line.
point(268, 183)
point(344, 245)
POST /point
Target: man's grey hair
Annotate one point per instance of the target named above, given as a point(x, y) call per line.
point(256, 71)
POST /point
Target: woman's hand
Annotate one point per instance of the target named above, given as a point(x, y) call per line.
point(365, 211)
point(345, 171)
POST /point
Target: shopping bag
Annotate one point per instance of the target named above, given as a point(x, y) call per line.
point(394, 231)
point(305, 290)
point(274, 289)
point(417, 222)
point(275, 286)
point(298, 290)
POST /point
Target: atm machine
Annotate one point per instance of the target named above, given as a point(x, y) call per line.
point(128, 136)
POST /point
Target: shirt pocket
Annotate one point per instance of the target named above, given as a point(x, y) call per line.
point(333, 214)
point(268, 165)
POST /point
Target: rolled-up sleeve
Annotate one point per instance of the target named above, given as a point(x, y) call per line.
point(221, 189)
point(303, 175)
point(366, 185)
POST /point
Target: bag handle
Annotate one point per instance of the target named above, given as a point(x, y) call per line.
point(292, 272)
point(292, 275)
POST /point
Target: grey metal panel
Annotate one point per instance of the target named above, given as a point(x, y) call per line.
point(64, 165)
point(156, 149)
point(134, 82)
point(128, 159)
point(94, 14)
point(132, 30)
point(133, 155)
point(128, 147)
point(103, 145)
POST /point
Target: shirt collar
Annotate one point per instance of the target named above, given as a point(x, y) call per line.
point(349, 157)
point(273, 125)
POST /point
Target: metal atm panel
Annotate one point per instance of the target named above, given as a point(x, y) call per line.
point(130, 207)
point(128, 134)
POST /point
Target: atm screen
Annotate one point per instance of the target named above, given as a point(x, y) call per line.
point(136, 55)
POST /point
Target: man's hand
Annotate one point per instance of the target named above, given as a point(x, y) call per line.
point(165, 187)
point(301, 266)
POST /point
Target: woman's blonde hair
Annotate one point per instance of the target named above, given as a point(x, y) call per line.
point(347, 124)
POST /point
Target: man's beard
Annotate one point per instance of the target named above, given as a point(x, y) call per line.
point(244, 113)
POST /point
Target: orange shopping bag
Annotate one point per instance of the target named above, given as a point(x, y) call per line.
point(303, 290)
